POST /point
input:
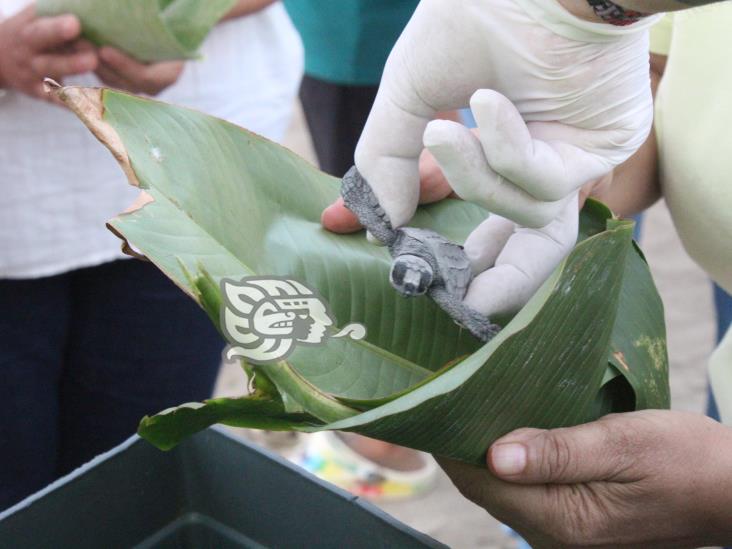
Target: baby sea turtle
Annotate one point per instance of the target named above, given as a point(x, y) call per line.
point(425, 262)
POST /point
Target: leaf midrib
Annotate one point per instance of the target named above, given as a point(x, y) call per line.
point(375, 349)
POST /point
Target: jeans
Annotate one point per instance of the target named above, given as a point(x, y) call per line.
point(83, 357)
point(336, 115)
point(723, 304)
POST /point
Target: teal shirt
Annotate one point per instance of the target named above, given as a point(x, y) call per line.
point(348, 41)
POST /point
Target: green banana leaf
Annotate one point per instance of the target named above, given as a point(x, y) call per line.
point(148, 30)
point(227, 204)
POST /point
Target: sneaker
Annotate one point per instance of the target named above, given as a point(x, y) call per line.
point(328, 457)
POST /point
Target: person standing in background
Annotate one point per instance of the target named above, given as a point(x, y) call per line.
point(347, 43)
point(91, 341)
point(695, 23)
point(661, 39)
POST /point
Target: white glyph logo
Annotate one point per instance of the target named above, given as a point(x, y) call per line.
point(265, 319)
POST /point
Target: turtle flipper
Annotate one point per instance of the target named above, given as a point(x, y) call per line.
point(361, 200)
point(477, 324)
point(430, 253)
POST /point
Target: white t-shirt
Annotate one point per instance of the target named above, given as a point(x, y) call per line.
point(58, 185)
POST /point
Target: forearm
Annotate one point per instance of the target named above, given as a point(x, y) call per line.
point(658, 6)
point(635, 184)
point(247, 7)
point(716, 502)
point(584, 10)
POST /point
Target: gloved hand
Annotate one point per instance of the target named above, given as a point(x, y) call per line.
point(559, 102)
point(516, 249)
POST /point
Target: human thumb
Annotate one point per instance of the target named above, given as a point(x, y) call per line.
point(586, 453)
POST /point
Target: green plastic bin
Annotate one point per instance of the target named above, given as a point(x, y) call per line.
point(213, 491)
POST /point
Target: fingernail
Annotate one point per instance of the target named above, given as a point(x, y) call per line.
point(70, 26)
point(508, 459)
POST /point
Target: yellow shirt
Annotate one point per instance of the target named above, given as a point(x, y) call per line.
point(694, 125)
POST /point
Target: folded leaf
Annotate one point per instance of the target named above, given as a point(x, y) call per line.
point(229, 204)
point(149, 30)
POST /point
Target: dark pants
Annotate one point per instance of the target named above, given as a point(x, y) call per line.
point(83, 357)
point(336, 115)
point(723, 304)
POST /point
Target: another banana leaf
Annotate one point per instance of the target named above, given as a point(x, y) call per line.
point(148, 30)
point(227, 204)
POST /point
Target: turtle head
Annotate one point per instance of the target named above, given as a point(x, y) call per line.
point(411, 275)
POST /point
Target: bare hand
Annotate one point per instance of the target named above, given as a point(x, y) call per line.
point(37, 47)
point(122, 71)
point(643, 479)
point(433, 187)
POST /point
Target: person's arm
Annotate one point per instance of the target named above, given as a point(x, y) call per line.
point(33, 47)
point(660, 6)
point(247, 7)
point(624, 11)
point(121, 71)
point(634, 185)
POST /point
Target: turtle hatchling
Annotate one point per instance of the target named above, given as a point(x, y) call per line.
point(425, 262)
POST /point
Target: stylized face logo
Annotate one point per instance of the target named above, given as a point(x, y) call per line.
point(304, 319)
point(265, 318)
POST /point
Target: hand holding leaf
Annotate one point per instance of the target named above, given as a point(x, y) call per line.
point(37, 47)
point(119, 70)
point(227, 204)
point(148, 30)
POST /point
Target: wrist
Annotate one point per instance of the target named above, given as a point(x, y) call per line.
point(580, 9)
point(603, 11)
point(718, 498)
point(246, 7)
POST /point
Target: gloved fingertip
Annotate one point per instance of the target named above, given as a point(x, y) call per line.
point(488, 103)
point(440, 133)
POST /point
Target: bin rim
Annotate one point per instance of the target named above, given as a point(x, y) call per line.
point(66, 479)
point(347, 497)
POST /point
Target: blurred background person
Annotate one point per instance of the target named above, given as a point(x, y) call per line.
point(675, 31)
point(346, 44)
point(91, 341)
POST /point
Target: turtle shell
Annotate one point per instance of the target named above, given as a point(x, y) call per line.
point(449, 261)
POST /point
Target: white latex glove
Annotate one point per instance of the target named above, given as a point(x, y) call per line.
point(510, 261)
point(559, 102)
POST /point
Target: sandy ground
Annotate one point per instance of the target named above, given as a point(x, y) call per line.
point(687, 296)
